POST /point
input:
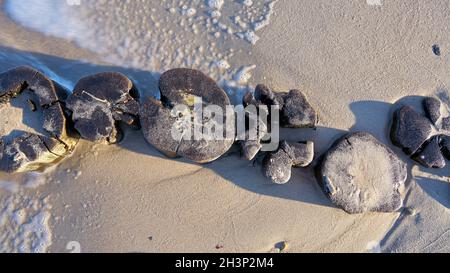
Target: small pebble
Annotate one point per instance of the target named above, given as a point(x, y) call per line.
point(436, 50)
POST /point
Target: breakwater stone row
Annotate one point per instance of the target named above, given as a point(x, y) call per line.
point(358, 173)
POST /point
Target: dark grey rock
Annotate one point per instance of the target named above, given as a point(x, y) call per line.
point(99, 102)
point(30, 151)
point(158, 118)
point(410, 130)
point(445, 143)
point(252, 143)
point(445, 124)
point(252, 146)
point(249, 99)
point(422, 137)
point(360, 174)
point(302, 154)
point(436, 50)
point(277, 166)
point(431, 156)
point(432, 108)
point(250, 149)
point(26, 152)
point(267, 97)
point(295, 109)
point(177, 84)
point(297, 112)
point(16, 80)
point(156, 121)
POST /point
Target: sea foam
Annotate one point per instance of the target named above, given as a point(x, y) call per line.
point(152, 35)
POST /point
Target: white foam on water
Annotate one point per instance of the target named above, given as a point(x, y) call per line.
point(25, 225)
point(46, 15)
point(18, 59)
point(24, 217)
point(154, 35)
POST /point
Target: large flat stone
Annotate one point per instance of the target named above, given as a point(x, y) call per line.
point(360, 174)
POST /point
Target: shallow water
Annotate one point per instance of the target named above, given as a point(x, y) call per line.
point(154, 35)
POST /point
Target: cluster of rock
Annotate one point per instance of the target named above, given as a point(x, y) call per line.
point(99, 103)
point(426, 138)
point(358, 174)
point(294, 111)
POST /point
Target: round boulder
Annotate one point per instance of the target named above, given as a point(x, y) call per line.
point(360, 174)
point(171, 125)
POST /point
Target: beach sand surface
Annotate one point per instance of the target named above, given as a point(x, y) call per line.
point(354, 61)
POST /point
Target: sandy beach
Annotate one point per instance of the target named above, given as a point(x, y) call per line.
point(355, 60)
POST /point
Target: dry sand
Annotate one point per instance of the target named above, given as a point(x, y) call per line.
point(352, 59)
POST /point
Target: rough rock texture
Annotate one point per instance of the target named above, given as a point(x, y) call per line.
point(446, 146)
point(99, 102)
point(410, 130)
point(253, 143)
point(277, 166)
point(432, 108)
point(256, 127)
point(30, 151)
point(423, 137)
point(295, 112)
point(359, 174)
point(267, 97)
point(431, 156)
point(182, 87)
point(445, 124)
point(295, 109)
point(176, 84)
